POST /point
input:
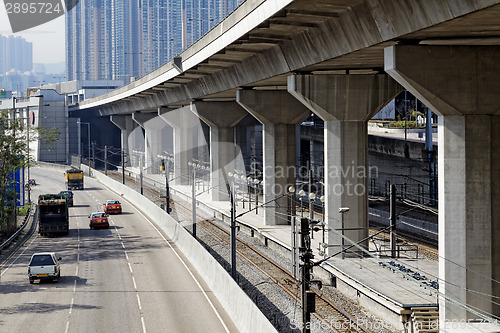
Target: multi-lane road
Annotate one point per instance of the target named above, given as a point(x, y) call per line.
point(127, 278)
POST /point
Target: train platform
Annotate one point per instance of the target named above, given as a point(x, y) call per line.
point(391, 288)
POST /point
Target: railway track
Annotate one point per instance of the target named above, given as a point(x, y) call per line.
point(328, 314)
point(326, 311)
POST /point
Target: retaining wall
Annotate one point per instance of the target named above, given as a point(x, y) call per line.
point(244, 313)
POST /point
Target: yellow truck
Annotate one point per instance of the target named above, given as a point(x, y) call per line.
point(74, 179)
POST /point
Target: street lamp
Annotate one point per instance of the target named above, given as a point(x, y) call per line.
point(343, 210)
point(256, 183)
point(295, 252)
point(323, 225)
point(301, 194)
point(193, 197)
point(88, 137)
point(312, 196)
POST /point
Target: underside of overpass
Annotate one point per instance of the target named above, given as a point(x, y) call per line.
point(279, 60)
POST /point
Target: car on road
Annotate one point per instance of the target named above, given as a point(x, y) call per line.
point(112, 206)
point(69, 197)
point(44, 266)
point(98, 220)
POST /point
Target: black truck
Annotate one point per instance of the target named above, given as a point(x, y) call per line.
point(53, 214)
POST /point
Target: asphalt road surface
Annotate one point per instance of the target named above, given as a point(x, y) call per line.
point(126, 278)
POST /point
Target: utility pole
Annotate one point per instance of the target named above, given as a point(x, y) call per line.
point(256, 197)
point(123, 167)
point(93, 155)
point(28, 125)
point(14, 137)
point(343, 210)
point(233, 233)
point(308, 301)
point(193, 201)
point(106, 160)
point(140, 173)
point(295, 257)
point(167, 188)
point(393, 218)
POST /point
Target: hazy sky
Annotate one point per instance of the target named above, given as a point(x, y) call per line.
point(47, 39)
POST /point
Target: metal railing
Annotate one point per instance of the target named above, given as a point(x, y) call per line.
point(32, 213)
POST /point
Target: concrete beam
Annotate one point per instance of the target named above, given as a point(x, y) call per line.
point(184, 123)
point(221, 117)
point(345, 103)
point(154, 138)
point(461, 84)
point(279, 113)
point(451, 80)
point(127, 126)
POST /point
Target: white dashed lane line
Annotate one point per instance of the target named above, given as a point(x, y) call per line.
point(139, 304)
point(76, 275)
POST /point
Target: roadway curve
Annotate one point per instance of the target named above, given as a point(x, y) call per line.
point(124, 279)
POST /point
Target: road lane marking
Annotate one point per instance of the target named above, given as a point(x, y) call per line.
point(189, 271)
point(15, 260)
point(139, 302)
point(76, 274)
point(71, 306)
point(135, 285)
point(133, 278)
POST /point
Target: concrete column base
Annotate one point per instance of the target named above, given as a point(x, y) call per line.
point(221, 161)
point(346, 185)
point(279, 171)
point(469, 226)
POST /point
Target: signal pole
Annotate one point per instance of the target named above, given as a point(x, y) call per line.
point(123, 167)
point(393, 219)
point(233, 232)
point(308, 305)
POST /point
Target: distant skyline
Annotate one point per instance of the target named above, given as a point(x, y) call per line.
point(48, 39)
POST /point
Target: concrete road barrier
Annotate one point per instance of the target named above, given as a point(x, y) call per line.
point(244, 313)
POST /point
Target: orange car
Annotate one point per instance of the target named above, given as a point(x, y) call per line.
point(112, 206)
point(98, 220)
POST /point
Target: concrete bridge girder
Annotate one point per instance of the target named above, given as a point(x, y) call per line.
point(127, 126)
point(345, 103)
point(222, 117)
point(155, 138)
point(279, 113)
point(460, 83)
point(187, 130)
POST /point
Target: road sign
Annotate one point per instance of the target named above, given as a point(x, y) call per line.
point(18, 184)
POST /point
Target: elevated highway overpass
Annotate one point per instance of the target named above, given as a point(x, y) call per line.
point(280, 60)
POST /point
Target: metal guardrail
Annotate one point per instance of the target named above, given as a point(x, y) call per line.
point(33, 211)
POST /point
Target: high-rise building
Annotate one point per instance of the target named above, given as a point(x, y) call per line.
point(16, 54)
point(123, 39)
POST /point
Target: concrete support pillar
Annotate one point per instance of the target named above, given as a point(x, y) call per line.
point(460, 83)
point(279, 113)
point(153, 127)
point(184, 123)
point(345, 103)
point(127, 126)
point(221, 117)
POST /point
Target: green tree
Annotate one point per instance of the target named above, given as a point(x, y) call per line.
point(12, 150)
point(14, 154)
